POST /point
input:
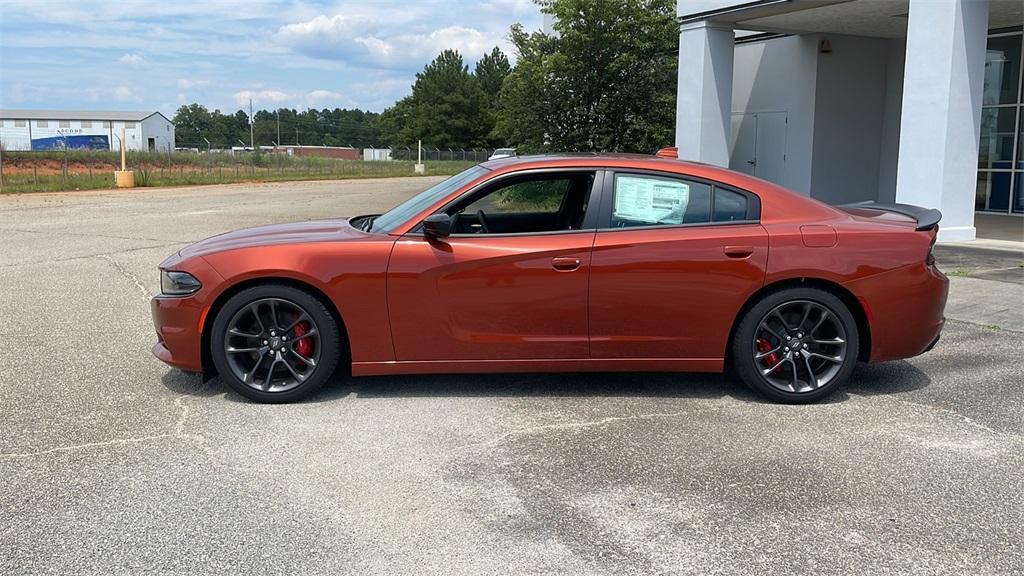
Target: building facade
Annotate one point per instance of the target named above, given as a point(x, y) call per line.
point(912, 101)
point(84, 129)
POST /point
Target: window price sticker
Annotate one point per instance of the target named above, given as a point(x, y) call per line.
point(650, 200)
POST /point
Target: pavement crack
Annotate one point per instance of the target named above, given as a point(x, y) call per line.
point(178, 432)
point(528, 430)
point(127, 274)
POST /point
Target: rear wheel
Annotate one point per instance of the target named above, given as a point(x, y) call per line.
point(796, 345)
point(275, 343)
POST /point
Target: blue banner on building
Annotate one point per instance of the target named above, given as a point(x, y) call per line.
point(80, 142)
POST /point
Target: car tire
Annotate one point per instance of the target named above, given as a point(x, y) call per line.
point(796, 345)
point(239, 356)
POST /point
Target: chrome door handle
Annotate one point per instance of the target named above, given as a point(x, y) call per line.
point(565, 264)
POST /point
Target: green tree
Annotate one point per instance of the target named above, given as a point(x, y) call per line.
point(490, 72)
point(606, 81)
point(191, 124)
point(447, 108)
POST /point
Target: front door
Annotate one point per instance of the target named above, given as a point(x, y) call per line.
point(672, 263)
point(509, 283)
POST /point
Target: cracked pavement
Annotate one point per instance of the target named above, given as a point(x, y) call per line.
point(113, 463)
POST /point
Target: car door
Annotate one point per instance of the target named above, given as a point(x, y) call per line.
point(508, 284)
point(674, 259)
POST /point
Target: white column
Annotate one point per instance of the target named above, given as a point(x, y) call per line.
point(704, 97)
point(941, 114)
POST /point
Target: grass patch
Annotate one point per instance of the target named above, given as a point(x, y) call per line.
point(959, 272)
point(91, 170)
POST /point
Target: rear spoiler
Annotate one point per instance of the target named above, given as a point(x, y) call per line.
point(926, 218)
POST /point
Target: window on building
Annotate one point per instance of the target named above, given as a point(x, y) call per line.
point(64, 124)
point(129, 125)
point(42, 124)
point(86, 124)
point(19, 123)
point(1001, 148)
point(106, 123)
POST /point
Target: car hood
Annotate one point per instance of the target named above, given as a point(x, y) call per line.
point(293, 233)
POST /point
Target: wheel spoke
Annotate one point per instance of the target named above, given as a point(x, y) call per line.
point(833, 359)
point(764, 326)
point(301, 317)
point(230, 350)
point(785, 325)
point(237, 332)
point(309, 361)
point(252, 373)
point(306, 335)
point(812, 377)
point(796, 380)
point(824, 316)
point(270, 374)
point(833, 341)
point(807, 312)
point(255, 308)
point(767, 371)
point(298, 377)
point(768, 353)
point(273, 314)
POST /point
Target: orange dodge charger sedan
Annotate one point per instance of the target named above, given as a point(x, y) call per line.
point(562, 263)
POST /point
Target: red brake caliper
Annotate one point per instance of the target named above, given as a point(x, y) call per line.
point(771, 359)
point(304, 346)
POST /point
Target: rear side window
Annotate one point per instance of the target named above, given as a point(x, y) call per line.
point(729, 206)
point(642, 200)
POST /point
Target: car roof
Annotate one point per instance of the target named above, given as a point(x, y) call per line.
point(610, 160)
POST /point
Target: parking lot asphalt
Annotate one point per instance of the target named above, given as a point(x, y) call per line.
point(113, 463)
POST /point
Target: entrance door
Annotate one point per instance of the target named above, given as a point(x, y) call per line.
point(759, 145)
point(152, 144)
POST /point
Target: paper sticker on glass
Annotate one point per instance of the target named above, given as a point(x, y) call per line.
point(640, 199)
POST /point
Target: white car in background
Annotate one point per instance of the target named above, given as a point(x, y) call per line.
point(503, 153)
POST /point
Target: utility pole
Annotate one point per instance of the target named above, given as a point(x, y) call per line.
point(296, 135)
point(278, 125)
point(252, 121)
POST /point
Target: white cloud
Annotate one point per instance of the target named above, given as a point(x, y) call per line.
point(318, 97)
point(125, 94)
point(186, 83)
point(130, 59)
point(354, 38)
point(260, 97)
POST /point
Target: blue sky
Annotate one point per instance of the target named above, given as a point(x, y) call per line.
point(157, 55)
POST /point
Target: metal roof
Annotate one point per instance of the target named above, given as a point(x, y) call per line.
point(116, 115)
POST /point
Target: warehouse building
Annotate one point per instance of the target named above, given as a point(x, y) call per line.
point(84, 129)
point(912, 101)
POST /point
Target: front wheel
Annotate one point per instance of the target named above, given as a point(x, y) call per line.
point(796, 345)
point(275, 343)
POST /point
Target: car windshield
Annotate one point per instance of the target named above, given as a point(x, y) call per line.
point(387, 222)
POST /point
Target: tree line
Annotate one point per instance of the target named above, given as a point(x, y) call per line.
point(603, 80)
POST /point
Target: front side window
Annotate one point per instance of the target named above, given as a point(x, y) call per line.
point(390, 220)
point(527, 204)
point(642, 200)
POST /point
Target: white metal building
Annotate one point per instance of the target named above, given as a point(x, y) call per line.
point(913, 101)
point(89, 129)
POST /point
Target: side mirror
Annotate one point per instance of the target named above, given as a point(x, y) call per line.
point(437, 226)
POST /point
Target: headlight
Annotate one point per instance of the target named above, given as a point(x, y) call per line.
point(178, 283)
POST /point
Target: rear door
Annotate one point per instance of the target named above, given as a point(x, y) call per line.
point(674, 259)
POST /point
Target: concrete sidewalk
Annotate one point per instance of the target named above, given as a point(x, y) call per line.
point(986, 282)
